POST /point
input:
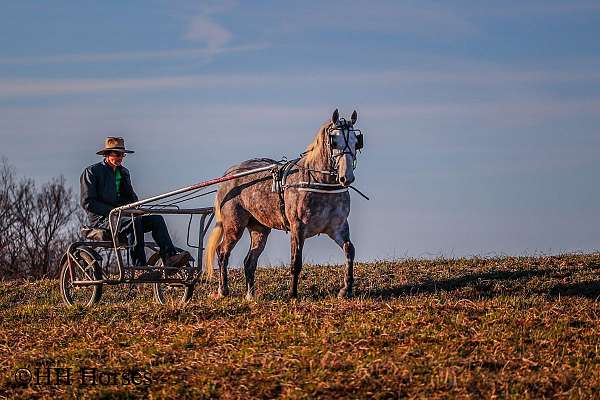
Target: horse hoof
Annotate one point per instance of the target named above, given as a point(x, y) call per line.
point(345, 294)
point(217, 295)
point(250, 297)
point(292, 297)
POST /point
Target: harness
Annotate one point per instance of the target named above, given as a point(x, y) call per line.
point(281, 172)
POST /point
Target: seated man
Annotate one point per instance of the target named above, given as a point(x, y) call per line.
point(107, 185)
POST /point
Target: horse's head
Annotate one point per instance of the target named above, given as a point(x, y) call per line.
point(344, 141)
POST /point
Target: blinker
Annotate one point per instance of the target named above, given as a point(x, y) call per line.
point(359, 141)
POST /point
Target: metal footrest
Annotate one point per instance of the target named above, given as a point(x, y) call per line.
point(152, 268)
point(88, 283)
point(142, 268)
point(161, 280)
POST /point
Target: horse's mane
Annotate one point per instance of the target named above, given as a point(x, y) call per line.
point(317, 149)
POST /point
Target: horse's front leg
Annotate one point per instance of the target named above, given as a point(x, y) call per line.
point(346, 291)
point(297, 242)
point(342, 238)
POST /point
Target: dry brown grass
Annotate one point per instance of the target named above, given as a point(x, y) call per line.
point(466, 328)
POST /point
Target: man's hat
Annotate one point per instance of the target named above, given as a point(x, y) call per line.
point(113, 144)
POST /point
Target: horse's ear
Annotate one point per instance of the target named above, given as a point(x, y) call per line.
point(335, 117)
point(354, 117)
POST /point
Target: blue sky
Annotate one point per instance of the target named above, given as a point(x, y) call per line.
point(480, 118)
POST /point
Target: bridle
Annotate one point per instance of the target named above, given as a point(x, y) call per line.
point(345, 128)
point(285, 167)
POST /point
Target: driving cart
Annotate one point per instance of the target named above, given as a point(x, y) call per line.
point(102, 258)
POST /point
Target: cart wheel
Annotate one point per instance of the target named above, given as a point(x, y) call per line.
point(170, 293)
point(86, 268)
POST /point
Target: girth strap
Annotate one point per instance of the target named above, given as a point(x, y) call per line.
point(280, 174)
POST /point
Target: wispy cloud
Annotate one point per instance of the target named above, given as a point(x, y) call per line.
point(537, 8)
point(475, 74)
point(498, 112)
point(421, 18)
point(130, 55)
point(199, 28)
point(76, 86)
point(202, 27)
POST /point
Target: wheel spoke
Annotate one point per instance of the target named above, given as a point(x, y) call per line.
point(168, 293)
point(83, 267)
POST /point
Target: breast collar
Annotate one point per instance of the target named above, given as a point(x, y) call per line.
point(280, 174)
point(280, 185)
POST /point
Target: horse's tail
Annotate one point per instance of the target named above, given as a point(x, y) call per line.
point(214, 239)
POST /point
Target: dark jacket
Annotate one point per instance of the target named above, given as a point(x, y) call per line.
point(99, 192)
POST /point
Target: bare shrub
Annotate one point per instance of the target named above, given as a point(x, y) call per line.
point(36, 225)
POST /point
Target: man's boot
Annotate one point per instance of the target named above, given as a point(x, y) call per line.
point(176, 261)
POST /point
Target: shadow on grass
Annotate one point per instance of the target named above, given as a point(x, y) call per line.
point(496, 283)
point(545, 281)
point(482, 282)
point(591, 290)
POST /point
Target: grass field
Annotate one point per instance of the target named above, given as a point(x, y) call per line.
point(465, 328)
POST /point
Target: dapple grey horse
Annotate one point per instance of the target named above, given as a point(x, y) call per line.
point(312, 198)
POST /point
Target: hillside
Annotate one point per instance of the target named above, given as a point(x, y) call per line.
point(507, 327)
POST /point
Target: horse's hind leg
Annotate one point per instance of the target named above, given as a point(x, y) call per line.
point(258, 239)
point(342, 237)
point(233, 229)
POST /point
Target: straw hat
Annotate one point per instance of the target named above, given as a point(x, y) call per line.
point(113, 144)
